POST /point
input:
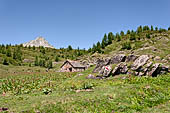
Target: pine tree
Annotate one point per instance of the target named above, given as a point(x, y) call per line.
point(36, 61)
point(8, 52)
point(139, 29)
point(89, 50)
point(42, 63)
point(156, 28)
point(146, 28)
point(128, 31)
point(50, 64)
point(29, 47)
point(122, 33)
point(152, 28)
point(104, 41)
point(148, 36)
point(5, 62)
point(3, 50)
point(56, 59)
point(110, 38)
point(94, 49)
point(14, 55)
point(118, 37)
point(132, 35)
point(98, 47)
point(42, 50)
point(19, 53)
point(168, 28)
point(33, 48)
point(70, 48)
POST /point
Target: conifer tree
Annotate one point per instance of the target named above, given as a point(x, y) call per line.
point(94, 48)
point(110, 38)
point(98, 47)
point(156, 28)
point(139, 29)
point(168, 28)
point(29, 47)
point(33, 48)
point(36, 61)
point(89, 50)
point(50, 64)
point(152, 28)
point(104, 41)
point(5, 62)
point(118, 37)
point(56, 59)
point(70, 48)
point(132, 35)
point(146, 28)
point(19, 53)
point(14, 55)
point(42, 63)
point(8, 52)
point(122, 33)
point(128, 31)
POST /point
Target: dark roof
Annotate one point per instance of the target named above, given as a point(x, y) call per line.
point(73, 63)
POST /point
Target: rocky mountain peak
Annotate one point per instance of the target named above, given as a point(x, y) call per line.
point(40, 38)
point(39, 41)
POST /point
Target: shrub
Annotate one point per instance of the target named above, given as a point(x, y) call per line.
point(126, 45)
point(148, 36)
point(5, 62)
point(47, 91)
point(168, 28)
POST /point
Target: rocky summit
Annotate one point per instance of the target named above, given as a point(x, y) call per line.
point(39, 41)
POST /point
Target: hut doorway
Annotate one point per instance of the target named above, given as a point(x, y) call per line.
point(70, 69)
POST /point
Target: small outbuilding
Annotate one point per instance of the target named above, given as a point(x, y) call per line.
point(72, 66)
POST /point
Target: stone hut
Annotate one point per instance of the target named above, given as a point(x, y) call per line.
point(72, 66)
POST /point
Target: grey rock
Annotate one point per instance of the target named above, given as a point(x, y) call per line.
point(131, 57)
point(155, 70)
point(90, 76)
point(118, 58)
point(148, 64)
point(100, 64)
point(120, 69)
point(105, 71)
point(164, 69)
point(139, 62)
point(157, 58)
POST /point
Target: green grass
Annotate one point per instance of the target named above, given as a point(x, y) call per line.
point(123, 93)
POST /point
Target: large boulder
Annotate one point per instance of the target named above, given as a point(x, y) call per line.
point(105, 71)
point(164, 69)
point(118, 58)
point(144, 69)
point(139, 62)
point(120, 69)
point(131, 57)
point(155, 70)
point(99, 64)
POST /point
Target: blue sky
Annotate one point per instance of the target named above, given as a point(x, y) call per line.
point(77, 22)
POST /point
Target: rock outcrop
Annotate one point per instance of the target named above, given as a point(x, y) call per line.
point(105, 71)
point(100, 63)
point(131, 64)
point(139, 62)
point(117, 59)
point(120, 69)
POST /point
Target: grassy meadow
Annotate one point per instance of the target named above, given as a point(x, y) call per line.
point(72, 93)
